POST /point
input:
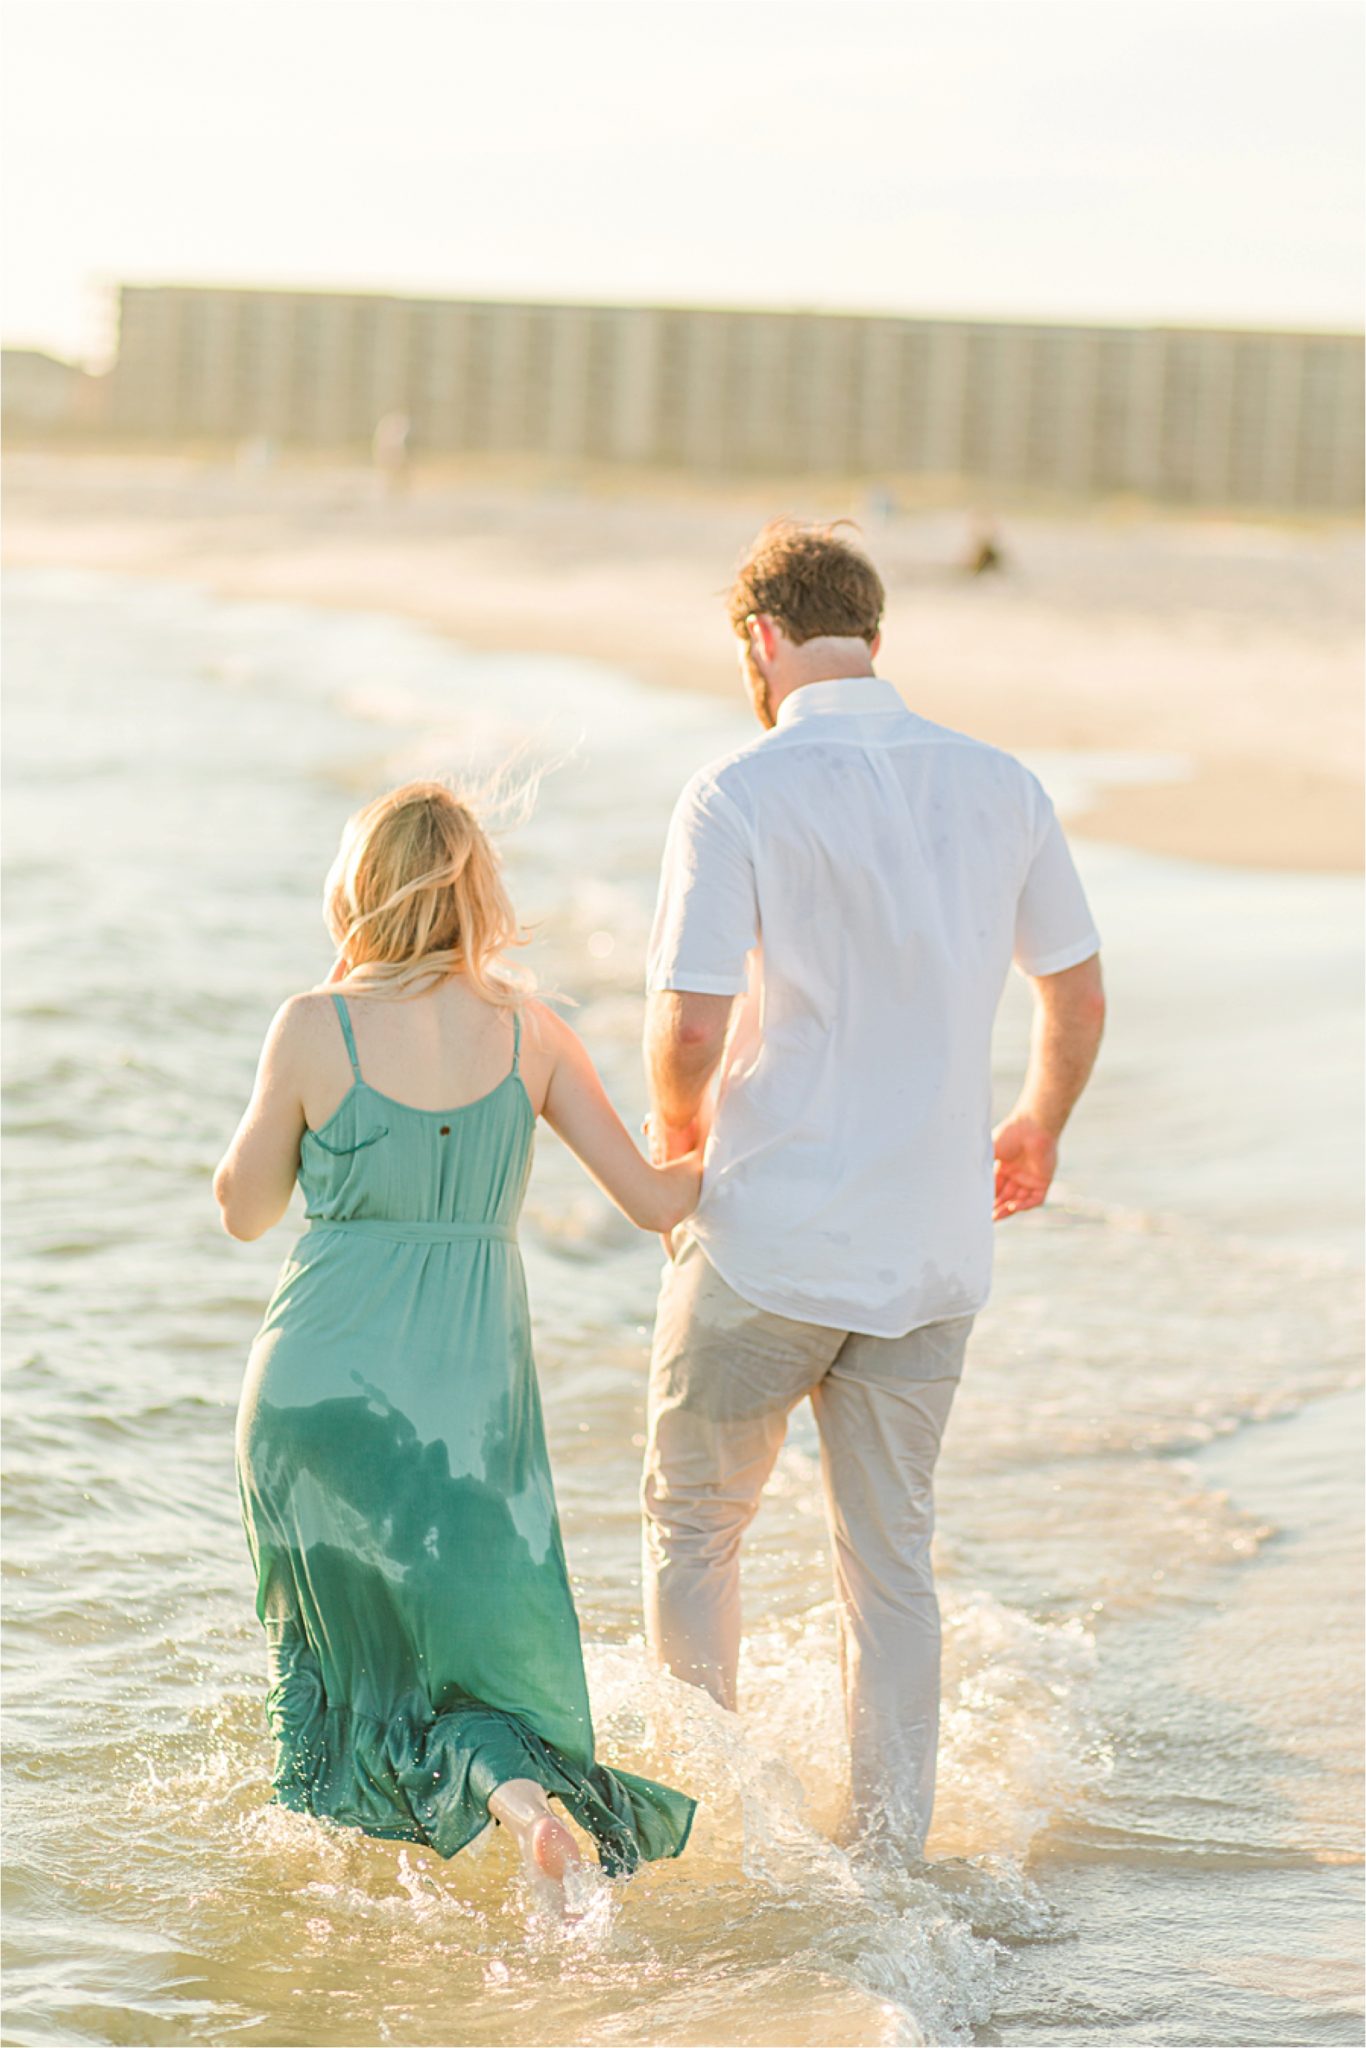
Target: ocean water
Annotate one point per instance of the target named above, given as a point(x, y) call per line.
point(1149, 1823)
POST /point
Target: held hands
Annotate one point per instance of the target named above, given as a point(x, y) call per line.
point(676, 1151)
point(1026, 1160)
point(667, 1141)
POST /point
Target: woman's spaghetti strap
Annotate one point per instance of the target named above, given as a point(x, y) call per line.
point(516, 1042)
point(347, 1033)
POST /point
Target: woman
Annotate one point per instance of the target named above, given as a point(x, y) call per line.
point(424, 1650)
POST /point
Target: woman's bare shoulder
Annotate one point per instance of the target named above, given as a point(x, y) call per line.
point(543, 1028)
point(309, 1006)
point(302, 1021)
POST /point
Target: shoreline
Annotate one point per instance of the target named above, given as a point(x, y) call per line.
point(1235, 649)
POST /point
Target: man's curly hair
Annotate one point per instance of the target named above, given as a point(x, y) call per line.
point(812, 580)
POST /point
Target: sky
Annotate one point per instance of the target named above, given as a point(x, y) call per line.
point(1188, 160)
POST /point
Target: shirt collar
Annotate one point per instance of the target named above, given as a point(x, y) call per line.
point(849, 695)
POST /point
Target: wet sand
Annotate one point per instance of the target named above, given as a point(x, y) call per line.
point(1232, 651)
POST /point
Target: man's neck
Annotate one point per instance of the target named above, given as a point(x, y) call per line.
point(822, 661)
point(830, 660)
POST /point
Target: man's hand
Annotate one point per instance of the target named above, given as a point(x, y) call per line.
point(1026, 1160)
point(1069, 1017)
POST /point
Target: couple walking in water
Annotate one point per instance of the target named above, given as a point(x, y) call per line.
point(840, 904)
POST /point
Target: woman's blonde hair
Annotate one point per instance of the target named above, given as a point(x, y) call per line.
point(415, 895)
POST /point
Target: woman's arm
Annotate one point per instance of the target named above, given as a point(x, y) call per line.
point(578, 1110)
point(256, 1174)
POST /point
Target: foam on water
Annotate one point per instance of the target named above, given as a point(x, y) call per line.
point(182, 770)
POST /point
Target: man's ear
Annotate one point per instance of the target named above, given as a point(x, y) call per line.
point(873, 646)
point(764, 633)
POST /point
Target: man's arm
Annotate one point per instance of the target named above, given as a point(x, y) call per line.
point(1069, 1017)
point(685, 1035)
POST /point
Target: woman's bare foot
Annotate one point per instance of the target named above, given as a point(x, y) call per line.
point(547, 1848)
point(553, 1849)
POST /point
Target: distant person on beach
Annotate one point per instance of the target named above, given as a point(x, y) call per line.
point(841, 901)
point(984, 553)
point(391, 451)
point(425, 1668)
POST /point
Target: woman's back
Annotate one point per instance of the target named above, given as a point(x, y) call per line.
point(380, 1156)
point(438, 1050)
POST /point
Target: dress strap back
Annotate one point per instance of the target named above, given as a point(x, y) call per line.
point(347, 1033)
point(516, 1043)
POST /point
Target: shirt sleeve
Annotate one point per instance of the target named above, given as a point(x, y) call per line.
point(1054, 928)
point(707, 916)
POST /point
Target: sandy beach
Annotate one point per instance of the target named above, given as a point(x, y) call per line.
point(1218, 662)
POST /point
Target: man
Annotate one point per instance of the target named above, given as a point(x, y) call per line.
point(840, 904)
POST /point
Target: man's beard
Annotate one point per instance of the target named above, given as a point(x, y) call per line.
point(758, 692)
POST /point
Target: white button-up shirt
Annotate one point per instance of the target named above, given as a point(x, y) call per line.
point(863, 878)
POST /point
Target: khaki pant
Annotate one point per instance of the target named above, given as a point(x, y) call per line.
point(724, 1377)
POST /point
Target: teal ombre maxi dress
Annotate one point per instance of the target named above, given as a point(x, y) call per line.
point(397, 1494)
